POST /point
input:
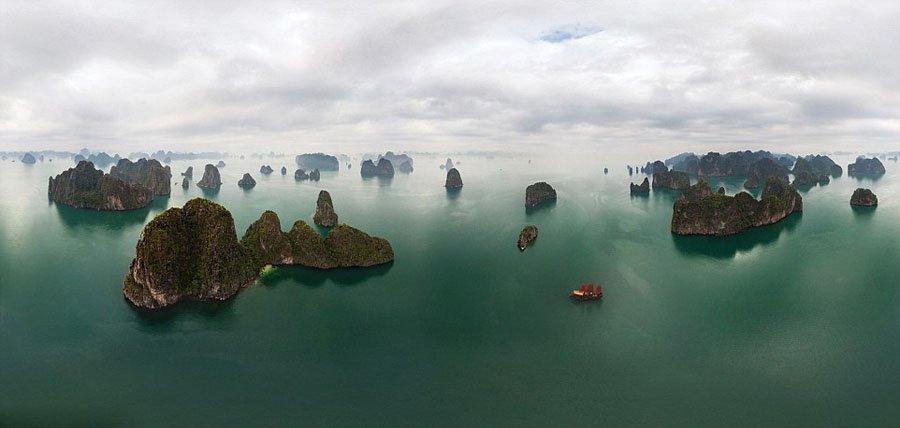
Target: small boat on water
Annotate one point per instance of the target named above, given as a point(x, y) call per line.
point(588, 293)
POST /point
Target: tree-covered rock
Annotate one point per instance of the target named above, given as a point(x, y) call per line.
point(320, 161)
point(87, 187)
point(700, 212)
point(737, 164)
point(665, 179)
point(864, 166)
point(762, 169)
point(325, 215)
point(454, 181)
point(301, 174)
point(266, 169)
point(644, 187)
point(246, 181)
point(526, 237)
point(211, 178)
point(315, 175)
point(189, 253)
point(148, 173)
point(383, 169)
point(539, 193)
point(863, 198)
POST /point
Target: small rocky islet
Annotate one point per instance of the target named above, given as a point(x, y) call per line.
point(192, 253)
point(539, 193)
point(454, 181)
point(246, 181)
point(526, 237)
point(325, 215)
point(644, 187)
point(864, 166)
point(863, 198)
point(382, 169)
point(87, 187)
point(211, 178)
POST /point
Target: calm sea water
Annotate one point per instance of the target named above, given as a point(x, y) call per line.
point(793, 324)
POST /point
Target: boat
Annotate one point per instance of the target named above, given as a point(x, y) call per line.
point(588, 293)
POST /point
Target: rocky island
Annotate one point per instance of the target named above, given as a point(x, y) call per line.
point(211, 178)
point(383, 169)
point(87, 187)
point(193, 253)
point(864, 166)
point(760, 170)
point(454, 181)
point(28, 159)
point(644, 187)
point(300, 174)
point(283, 170)
point(812, 170)
point(863, 198)
point(247, 181)
point(320, 161)
point(325, 215)
point(665, 179)
point(148, 173)
point(189, 253)
point(527, 236)
point(220, 164)
point(315, 175)
point(188, 173)
point(266, 169)
point(539, 193)
point(700, 212)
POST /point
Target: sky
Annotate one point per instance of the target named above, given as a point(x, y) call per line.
point(449, 75)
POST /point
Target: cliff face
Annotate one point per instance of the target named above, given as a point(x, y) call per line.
point(526, 237)
point(86, 187)
point(344, 246)
point(325, 215)
point(211, 178)
point(148, 173)
point(863, 198)
point(454, 181)
point(321, 161)
point(665, 179)
point(760, 171)
point(188, 173)
point(188, 253)
point(739, 164)
point(538, 193)
point(812, 170)
point(700, 212)
point(383, 169)
point(864, 166)
point(644, 187)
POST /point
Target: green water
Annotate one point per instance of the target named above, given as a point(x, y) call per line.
point(790, 325)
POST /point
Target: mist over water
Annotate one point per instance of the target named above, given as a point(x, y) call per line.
point(771, 327)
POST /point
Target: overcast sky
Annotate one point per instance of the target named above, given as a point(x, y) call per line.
point(454, 75)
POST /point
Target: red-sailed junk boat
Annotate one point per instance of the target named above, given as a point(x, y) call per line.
point(589, 293)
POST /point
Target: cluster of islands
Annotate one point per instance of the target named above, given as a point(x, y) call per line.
point(194, 253)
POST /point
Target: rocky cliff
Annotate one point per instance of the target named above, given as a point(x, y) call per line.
point(644, 187)
point(538, 193)
point(383, 169)
point(454, 181)
point(863, 198)
point(700, 212)
point(325, 215)
point(246, 181)
point(148, 173)
point(665, 179)
point(760, 171)
point(864, 166)
point(211, 178)
point(189, 253)
point(87, 187)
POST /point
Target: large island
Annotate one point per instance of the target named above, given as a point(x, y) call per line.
point(698, 211)
point(87, 187)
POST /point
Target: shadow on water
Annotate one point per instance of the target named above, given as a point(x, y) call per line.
point(312, 277)
point(862, 178)
point(163, 320)
point(453, 194)
point(863, 213)
point(209, 192)
point(726, 247)
point(112, 220)
point(545, 206)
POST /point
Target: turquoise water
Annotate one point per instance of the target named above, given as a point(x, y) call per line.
point(793, 324)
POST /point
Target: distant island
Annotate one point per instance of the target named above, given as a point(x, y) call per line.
point(864, 166)
point(383, 169)
point(192, 253)
point(700, 212)
point(90, 188)
point(320, 161)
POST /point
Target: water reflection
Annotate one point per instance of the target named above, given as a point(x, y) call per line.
point(209, 192)
point(110, 220)
point(867, 177)
point(726, 247)
point(863, 213)
point(216, 314)
point(315, 277)
point(545, 206)
point(453, 194)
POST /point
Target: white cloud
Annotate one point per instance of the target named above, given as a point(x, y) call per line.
point(439, 75)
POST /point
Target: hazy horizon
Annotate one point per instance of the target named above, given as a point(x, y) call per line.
point(442, 77)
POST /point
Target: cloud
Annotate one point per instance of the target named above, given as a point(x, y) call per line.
point(442, 74)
